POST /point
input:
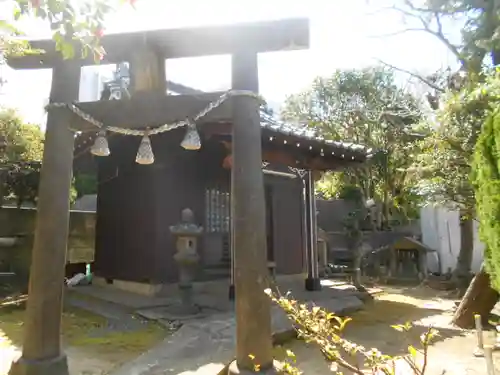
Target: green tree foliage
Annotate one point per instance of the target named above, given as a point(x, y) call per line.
point(85, 184)
point(72, 23)
point(24, 142)
point(21, 182)
point(20, 160)
point(365, 106)
point(444, 169)
point(444, 164)
point(486, 180)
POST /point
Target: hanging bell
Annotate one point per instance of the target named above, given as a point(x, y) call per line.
point(145, 154)
point(191, 140)
point(100, 146)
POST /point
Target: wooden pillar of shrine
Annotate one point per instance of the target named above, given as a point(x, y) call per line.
point(393, 262)
point(231, 234)
point(313, 281)
point(422, 264)
point(253, 306)
point(42, 353)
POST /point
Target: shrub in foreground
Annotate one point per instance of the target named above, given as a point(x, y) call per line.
point(323, 328)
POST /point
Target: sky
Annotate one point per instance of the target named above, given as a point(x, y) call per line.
point(344, 34)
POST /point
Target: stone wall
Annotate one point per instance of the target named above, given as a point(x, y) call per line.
point(16, 238)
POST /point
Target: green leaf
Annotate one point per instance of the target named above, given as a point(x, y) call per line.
point(398, 328)
point(344, 323)
point(412, 351)
point(68, 50)
point(8, 27)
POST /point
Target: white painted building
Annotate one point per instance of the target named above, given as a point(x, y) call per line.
point(441, 231)
point(92, 80)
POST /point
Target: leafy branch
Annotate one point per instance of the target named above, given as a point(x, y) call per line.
point(324, 328)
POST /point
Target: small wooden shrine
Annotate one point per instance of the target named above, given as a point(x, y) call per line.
point(163, 153)
point(130, 255)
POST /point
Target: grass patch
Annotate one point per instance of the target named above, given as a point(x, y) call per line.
point(76, 323)
point(77, 327)
point(132, 342)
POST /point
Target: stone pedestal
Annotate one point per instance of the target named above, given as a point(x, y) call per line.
point(275, 369)
point(187, 258)
point(312, 284)
point(422, 265)
point(54, 366)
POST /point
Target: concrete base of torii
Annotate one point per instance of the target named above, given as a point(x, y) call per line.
point(275, 369)
point(55, 366)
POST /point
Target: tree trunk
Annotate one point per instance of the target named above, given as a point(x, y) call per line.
point(480, 298)
point(461, 274)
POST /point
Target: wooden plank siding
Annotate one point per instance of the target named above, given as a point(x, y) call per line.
point(137, 207)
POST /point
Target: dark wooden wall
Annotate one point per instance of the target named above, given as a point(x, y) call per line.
point(137, 204)
point(288, 224)
point(126, 214)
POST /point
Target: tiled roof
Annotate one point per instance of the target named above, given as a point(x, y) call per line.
point(269, 122)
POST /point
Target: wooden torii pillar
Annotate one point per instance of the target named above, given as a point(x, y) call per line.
point(253, 308)
point(42, 353)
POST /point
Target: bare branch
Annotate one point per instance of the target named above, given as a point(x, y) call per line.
point(447, 43)
point(418, 76)
point(439, 23)
point(399, 32)
point(418, 13)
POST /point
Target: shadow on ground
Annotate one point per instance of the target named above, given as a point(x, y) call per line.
point(372, 327)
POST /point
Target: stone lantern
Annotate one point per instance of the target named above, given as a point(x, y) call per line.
point(187, 258)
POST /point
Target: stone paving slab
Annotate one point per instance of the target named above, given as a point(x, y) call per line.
point(128, 300)
point(208, 343)
point(211, 294)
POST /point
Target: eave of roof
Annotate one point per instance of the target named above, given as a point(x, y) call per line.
point(274, 125)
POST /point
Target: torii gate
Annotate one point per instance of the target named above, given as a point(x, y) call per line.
point(146, 53)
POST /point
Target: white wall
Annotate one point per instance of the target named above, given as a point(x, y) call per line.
point(441, 231)
point(92, 80)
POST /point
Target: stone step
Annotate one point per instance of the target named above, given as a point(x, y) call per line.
point(220, 265)
point(217, 271)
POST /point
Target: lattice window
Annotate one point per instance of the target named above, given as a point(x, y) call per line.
point(217, 210)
